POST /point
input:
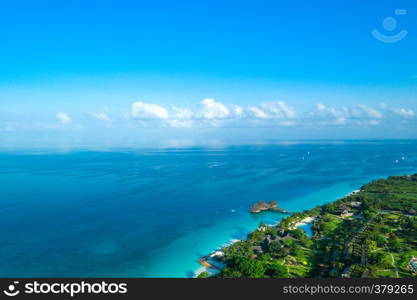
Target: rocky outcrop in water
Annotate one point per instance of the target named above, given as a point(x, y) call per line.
point(263, 206)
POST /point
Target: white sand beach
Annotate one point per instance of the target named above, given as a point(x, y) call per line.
point(303, 222)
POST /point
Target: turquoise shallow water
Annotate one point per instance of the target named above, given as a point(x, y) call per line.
point(154, 212)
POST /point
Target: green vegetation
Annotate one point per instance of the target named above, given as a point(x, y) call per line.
point(204, 274)
point(370, 233)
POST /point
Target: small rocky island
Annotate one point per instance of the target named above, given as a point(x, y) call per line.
point(262, 206)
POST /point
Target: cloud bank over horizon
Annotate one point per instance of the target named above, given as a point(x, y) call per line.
point(208, 122)
point(209, 113)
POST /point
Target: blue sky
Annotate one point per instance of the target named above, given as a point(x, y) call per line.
point(122, 73)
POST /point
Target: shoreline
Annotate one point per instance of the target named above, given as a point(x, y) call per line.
point(303, 222)
point(206, 263)
point(180, 259)
point(349, 239)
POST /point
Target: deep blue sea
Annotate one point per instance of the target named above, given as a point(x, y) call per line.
point(154, 212)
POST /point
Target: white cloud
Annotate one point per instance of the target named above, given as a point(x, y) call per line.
point(211, 109)
point(371, 112)
point(182, 113)
point(257, 112)
point(271, 110)
point(357, 115)
point(64, 118)
point(102, 117)
point(321, 107)
point(142, 110)
point(406, 113)
point(237, 110)
point(324, 112)
point(278, 109)
point(181, 118)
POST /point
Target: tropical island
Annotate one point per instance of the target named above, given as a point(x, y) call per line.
point(369, 233)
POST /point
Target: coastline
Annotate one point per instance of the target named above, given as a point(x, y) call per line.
point(207, 262)
point(352, 237)
point(180, 259)
point(303, 222)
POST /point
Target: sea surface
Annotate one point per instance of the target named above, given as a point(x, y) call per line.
point(154, 212)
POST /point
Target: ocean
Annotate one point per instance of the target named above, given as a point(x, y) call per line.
point(155, 212)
